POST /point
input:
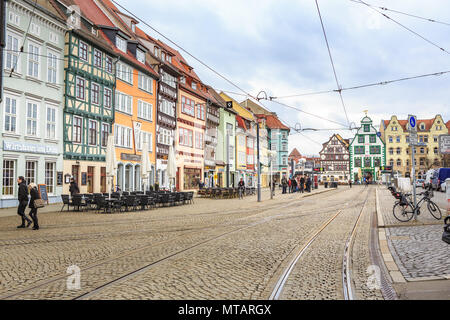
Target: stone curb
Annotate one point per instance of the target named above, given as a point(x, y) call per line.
point(389, 262)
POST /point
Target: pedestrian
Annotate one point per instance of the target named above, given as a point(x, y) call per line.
point(294, 185)
point(23, 201)
point(241, 188)
point(350, 183)
point(308, 184)
point(302, 184)
point(73, 188)
point(34, 194)
point(284, 184)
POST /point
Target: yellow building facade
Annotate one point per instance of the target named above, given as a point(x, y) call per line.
point(394, 133)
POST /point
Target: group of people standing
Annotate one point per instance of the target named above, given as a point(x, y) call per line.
point(296, 185)
point(24, 191)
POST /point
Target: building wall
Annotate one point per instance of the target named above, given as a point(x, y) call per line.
point(368, 152)
point(221, 151)
point(27, 99)
point(129, 157)
point(190, 159)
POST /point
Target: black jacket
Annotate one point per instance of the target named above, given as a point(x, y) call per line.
point(34, 193)
point(23, 192)
point(73, 189)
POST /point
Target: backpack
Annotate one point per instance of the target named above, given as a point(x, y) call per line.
point(446, 234)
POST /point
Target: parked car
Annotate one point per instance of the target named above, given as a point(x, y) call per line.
point(438, 177)
point(428, 177)
point(444, 185)
point(420, 183)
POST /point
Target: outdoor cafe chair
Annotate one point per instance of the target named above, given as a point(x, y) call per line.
point(130, 202)
point(66, 202)
point(77, 202)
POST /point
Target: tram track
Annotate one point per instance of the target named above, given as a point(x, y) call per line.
point(258, 211)
point(348, 294)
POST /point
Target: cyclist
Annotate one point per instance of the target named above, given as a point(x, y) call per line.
point(241, 187)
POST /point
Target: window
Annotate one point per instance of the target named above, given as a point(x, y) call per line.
point(145, 83)
point(399, 150)
point(425, 139)
point(122, 136)
point(422, 126)
point(376, 162)
point(35, 29)
point(33, 60)
point(109, 64)
point(164, 136)
point(97, 58)
point(359, 150)
point(407, 139)
point(145, 110)
point(144, 137)
point(12, 51)
point(188, 106)
point(14, 18)
point(284, 146)
point(105, 134)
point(183, 80)
point(435, 150)
point(30, 171)
point(124, 73)
point(83, 51)
point(185, 137)
point(77, 129)
point(121, 44)
point(391, 151)
point(92, 133)
point(53, 38)
point(80, 88)
point(367, 162)
point(249, 143)
point(95, 93)
point(241, 157)
point(391, 162)
point(375, 149)
point(50, 177)
point(140, 56)
point(194, 85)
point(399, 162)
point(31, 119)
point(435, 139)
point(199, 140)
point(390, 139)
point(51, 123)
point(201, 112)
point(10, 114)
point(229, 129)
point(372, 138)
point(360, 139)
point(52, 68)
point(167, 107)
point(9, 167)
point(366, 128)
point(107, 99)
point(102, 179)
point(422, 150)
point(124, 102)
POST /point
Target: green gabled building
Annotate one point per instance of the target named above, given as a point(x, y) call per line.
point(367, 153)
point(88, 101)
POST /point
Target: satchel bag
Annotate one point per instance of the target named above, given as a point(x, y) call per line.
point(39, 203)
point(446, 234)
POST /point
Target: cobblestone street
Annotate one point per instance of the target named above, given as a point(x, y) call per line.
point(212, 249)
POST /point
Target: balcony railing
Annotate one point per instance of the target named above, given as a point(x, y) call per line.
point(212, 118)
point(210, 140)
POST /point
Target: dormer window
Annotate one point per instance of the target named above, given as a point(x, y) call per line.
point(183, 80)
point(140, 56)
point(121, 44)
point(422, 126)
point(163, 56)
point(194, 85)
point(133, 27)
point(169, 58)
point(156, 51)
point(94, 31)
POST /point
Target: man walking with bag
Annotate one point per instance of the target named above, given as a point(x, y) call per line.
point(23, 201)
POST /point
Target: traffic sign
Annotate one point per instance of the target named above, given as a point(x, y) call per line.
point(413, 139)
point(444, 144)
point(379, 134)
point(412, 120)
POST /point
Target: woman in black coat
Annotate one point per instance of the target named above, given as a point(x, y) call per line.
point(34, 193)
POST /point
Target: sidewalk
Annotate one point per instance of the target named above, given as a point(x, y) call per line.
point(413, 252)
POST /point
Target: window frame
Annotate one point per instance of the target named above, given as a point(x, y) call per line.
point(75, 133)
point(83, 51)
point(92, 133)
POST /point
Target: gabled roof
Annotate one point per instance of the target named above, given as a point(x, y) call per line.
point(272, 122)
point(295, 153)
point(242, 111)
point(404, 123)
point(254, 107)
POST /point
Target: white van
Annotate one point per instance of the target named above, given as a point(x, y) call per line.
point(428, 177)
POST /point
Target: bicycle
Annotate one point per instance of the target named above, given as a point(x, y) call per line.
point(404, 209)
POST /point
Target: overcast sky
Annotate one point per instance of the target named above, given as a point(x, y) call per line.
point(278, 46)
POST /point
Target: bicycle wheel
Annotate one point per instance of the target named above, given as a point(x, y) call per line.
point(434, 210)
point(402, 213)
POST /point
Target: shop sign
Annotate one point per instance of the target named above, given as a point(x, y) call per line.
point(130, 157)
point(18, 146)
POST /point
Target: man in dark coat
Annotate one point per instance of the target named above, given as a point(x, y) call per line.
point(294, 185)
point(73, 188)
point(284, 184)
point(302, 184)
point(23, 201)
point(308, 184)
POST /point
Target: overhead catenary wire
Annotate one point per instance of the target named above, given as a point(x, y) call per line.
point(332, 62)
point(381, 83)
point(403, 26)
point(408, 14)
point(184, 50)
